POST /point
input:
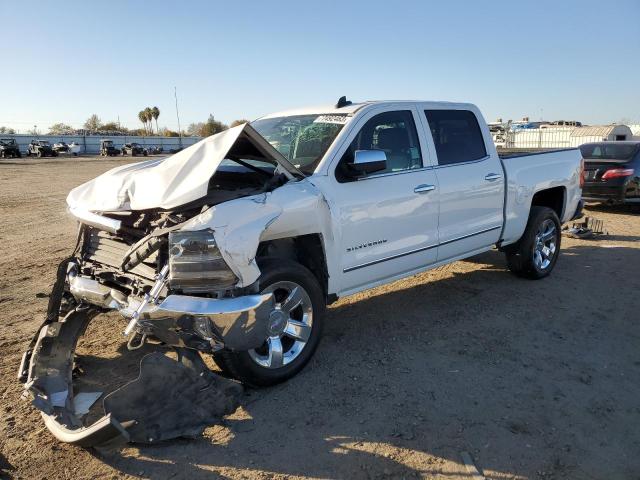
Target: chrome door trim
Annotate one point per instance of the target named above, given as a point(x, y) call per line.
point(447, 165)
point(398, 255)
point(422, 249)
point(486, 230)
point(424, 188)
point(389, 174)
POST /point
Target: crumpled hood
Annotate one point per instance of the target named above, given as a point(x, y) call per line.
point(168, 182)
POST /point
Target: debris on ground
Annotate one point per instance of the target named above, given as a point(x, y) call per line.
point(588, 228)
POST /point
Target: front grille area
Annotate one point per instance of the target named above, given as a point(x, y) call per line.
point(108, 250)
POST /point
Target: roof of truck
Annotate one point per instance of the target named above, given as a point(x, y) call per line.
point(348, 109)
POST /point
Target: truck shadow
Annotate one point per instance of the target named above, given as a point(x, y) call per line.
point(469, 359)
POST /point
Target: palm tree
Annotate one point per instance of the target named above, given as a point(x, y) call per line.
point(148, 113)
point(155, 112)
point(142, 116)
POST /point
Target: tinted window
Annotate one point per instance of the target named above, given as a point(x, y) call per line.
point(610, 151)
point(456, 135)
point(394, 133)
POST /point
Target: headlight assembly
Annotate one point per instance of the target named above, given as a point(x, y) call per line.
point(195, 263)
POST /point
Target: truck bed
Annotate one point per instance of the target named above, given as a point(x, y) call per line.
point(524, 152)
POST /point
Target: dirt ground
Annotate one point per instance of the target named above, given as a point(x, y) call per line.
point(532, 379)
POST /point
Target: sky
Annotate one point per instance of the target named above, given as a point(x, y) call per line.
point(65, 60)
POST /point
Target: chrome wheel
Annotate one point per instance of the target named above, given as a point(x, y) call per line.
point(545, 245)
point(289, 327)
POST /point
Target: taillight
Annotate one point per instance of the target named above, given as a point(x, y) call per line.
point(617, 173)
point(583, 174)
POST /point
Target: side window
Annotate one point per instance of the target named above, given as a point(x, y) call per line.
point(456, 135)
point(392, 132)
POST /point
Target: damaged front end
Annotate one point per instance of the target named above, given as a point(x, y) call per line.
point(173, 287)
point(170, 398)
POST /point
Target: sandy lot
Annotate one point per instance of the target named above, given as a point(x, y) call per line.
point(532, 379)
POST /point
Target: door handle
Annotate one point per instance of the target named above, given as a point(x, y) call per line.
point(424, 188)
point(490, 177)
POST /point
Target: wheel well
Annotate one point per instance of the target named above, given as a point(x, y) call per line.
point(307, 250)
point(552, 198)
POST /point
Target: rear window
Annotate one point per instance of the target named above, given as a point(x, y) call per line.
point(456, 135)
point(609, 151)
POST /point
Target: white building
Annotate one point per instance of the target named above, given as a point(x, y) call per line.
point(566, 137)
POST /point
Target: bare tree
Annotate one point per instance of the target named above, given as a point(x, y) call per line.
point(235, 123)
point(61, 129)
point(93, 123)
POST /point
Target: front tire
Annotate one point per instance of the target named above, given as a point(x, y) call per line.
point(535, 255)
point(295, 327)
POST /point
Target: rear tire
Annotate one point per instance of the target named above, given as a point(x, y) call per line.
point(535, 255)
point(249, 366)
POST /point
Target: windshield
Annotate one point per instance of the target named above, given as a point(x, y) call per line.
point(301, 139)
point(609, 151)
point(44, 143)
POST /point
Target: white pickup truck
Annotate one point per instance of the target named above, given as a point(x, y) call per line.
point(235, 245)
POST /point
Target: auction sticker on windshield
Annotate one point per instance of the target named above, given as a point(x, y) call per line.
point(339, 119)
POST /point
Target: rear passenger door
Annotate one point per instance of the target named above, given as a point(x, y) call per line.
point(470, 181)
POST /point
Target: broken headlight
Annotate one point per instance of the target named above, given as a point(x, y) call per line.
point(195, 263)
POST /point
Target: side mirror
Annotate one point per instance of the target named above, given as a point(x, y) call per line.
point(369, 161)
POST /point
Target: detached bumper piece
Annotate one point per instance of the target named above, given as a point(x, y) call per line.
point(589, 228)
point(169, 399)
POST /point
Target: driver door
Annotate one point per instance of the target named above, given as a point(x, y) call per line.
point(388, 219)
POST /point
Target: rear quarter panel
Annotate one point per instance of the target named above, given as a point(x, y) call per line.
point(529, 174)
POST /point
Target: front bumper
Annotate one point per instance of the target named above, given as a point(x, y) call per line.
point(204, 324)
point(170, 398)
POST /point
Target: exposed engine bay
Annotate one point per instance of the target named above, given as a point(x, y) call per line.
point(171, 284)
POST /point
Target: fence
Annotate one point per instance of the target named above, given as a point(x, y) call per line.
point(540, 138)
point(560, 137)
point(90, 144)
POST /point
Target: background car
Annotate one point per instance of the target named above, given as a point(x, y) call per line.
point(41, 148)
point(611, 172)
point(61, 147)
point(133, 149)
point(108, 149)
point(75, 149)
point(9, 148)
